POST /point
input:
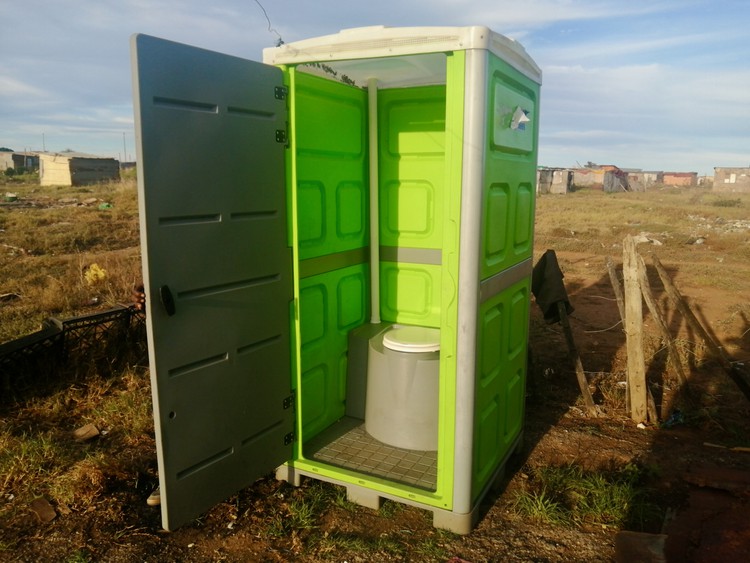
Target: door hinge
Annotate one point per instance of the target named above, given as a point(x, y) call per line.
point(289, 438)
point(288, 401)
point(280, 136)
point(280, 92)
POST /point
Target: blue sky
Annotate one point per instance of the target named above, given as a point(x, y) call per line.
point(657, 85)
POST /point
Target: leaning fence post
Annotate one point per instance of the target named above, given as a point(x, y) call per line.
point(674, 356)
point(677, 299)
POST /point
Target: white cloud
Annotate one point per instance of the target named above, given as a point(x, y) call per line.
point(615, 46)
point(660, 94)
point(502, 14)
point(12, 89)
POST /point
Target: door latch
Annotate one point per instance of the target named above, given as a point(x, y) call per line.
point(165, 295)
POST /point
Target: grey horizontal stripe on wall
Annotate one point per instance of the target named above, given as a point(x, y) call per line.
point(330, 262)
point(503, 280)
point(433, 256)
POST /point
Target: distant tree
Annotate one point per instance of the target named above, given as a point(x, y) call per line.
point(6, 149)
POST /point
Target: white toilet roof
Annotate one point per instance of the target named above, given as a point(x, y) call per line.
point(380, 41)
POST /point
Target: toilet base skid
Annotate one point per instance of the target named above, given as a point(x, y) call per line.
point(456, 522)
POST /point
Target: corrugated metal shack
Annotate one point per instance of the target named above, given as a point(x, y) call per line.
point(608, 178)
point(18, 160)
point(554, 180)
point(731, 179)
point(641, 181)
point(76, 169)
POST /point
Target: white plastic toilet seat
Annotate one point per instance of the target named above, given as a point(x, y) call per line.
point(412, 339)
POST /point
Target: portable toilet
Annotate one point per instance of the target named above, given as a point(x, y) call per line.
point(337, 250)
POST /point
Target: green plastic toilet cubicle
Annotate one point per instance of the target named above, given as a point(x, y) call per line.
point(258, 187)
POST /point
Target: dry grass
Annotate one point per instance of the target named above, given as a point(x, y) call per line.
point(68, 251)
point(39, 457)
point(594, 222)
point(49, 243)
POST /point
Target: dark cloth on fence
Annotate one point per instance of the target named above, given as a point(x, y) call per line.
point(548, 287)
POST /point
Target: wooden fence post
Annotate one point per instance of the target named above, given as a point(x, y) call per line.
point(634, 332)
point(617, 288)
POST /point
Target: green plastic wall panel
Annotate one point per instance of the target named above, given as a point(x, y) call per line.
point(507, 239)
point(499, 400)
point(411, 134)
point(329, 121)
point(410, 293)
point(510, 169)
point(330, 129)
point(331, 305)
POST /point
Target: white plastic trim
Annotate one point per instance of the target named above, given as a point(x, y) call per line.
point(472, 181)
point(380, 41)
point(372, 101)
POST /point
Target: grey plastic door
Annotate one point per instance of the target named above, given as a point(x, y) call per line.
point(217, 269)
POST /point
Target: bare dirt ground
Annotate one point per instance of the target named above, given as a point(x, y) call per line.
point(694, 470)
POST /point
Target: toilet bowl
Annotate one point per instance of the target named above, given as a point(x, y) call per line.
point(401, 405)
point(412, 339)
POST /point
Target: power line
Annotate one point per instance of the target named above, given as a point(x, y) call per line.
point(280, 41)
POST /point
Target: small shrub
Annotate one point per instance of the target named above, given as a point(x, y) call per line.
point(723, 202)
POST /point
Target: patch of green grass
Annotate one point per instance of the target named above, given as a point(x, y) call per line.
point(390, 508)
point(540, 506)
point(342, 541)
point(341, 500)
point(124, 408)
point(303, 514)
point(382, 547)
point(568, 494)
point(79, 556)
point(302, 510)
point(276, 525)
point(15, 179)
point(432, 548)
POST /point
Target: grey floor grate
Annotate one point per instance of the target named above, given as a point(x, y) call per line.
point(347, 445)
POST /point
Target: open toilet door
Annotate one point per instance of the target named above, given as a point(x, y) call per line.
point(210, 134)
